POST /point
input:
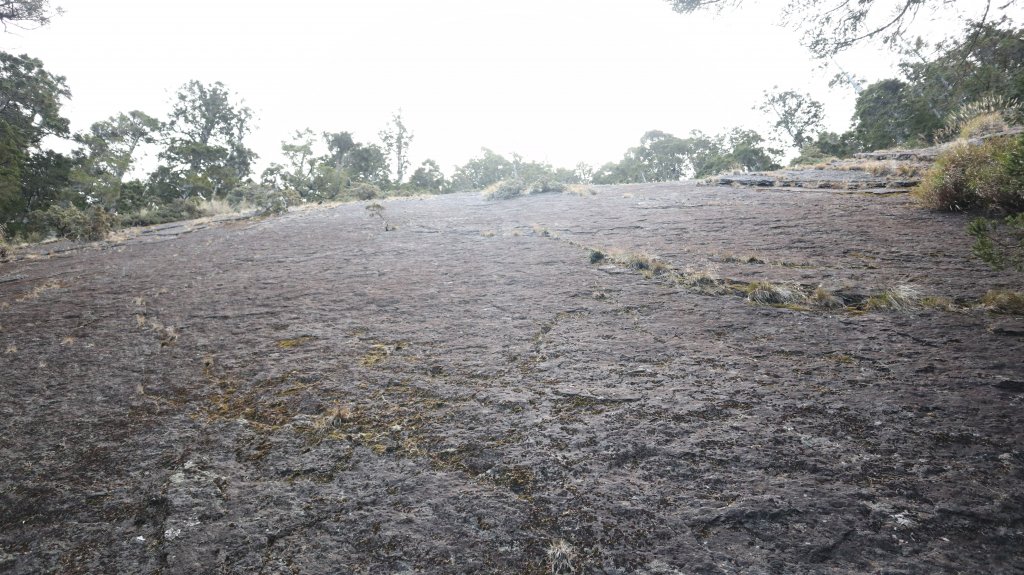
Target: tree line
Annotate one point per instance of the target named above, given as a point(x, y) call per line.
point(202, 156)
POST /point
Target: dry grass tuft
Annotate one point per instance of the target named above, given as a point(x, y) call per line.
point(562, 558)
point(39, 290)
point(823, 298)
point(898, 298)
point(647, 265)
point(1004, 301)
point(542, 231)
point(504, 190)
point(221, 208)
point(582, 190)
point(702, 280)
point(333, 417)
point(294, 342)
point(767, 293)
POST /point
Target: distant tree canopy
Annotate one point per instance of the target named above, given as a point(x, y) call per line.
point(25, 13)
point(662, 157)
point(831, 26)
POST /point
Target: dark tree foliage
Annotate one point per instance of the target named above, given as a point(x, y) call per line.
point(428, 177)
point(26, 13)
point(662, 157)
point(831, 26)
point(987, 61)
point(478, 173)
point(30, 102)
point(206, 154)
point(889, 113)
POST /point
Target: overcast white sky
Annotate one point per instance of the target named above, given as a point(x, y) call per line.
point(561, 81)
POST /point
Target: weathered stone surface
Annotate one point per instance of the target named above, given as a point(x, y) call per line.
point(313, 394)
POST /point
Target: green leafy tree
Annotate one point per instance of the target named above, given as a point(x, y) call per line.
point(30, 102)
point(629, 170)
point(206, 155)
point(338, 144)
point(428, 177)
point(478, 173)
point(367, 163)
point(531, 171)
point(298, 175)
point(986, 62)
point(110, 150)
point(987, 59)
point(748, 151)
point(889, 113)
point(662, 157)
point(798, 116)
point(584, 173)
point(396, 139)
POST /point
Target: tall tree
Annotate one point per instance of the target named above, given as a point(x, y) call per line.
point(206, 154)
point(110, 150)
point(478, 173)
point(302, 164)
point(367, 163)
point(338, 144)
point(798, 116)
point(831, 26)
point(889, 113)
point(30, 102)
point(429, 177)
point(396, 139)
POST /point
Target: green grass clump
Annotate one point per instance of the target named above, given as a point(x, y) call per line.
point(988, 176)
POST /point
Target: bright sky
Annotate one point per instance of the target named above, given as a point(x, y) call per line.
point(560, 81)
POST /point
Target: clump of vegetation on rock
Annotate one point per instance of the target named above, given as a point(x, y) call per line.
point(176, 210)
point(516, 187)
point(987, 115)
point(4, 250)
point(505, 189)
point(988, 176)
point(767, 293)
point(545, 186)
point(898, 298)
point(1003, 301)
point(90, 224)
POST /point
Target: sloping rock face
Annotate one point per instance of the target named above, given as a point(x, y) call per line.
point(827, 178)
point(477, 391)
point(879, 172)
